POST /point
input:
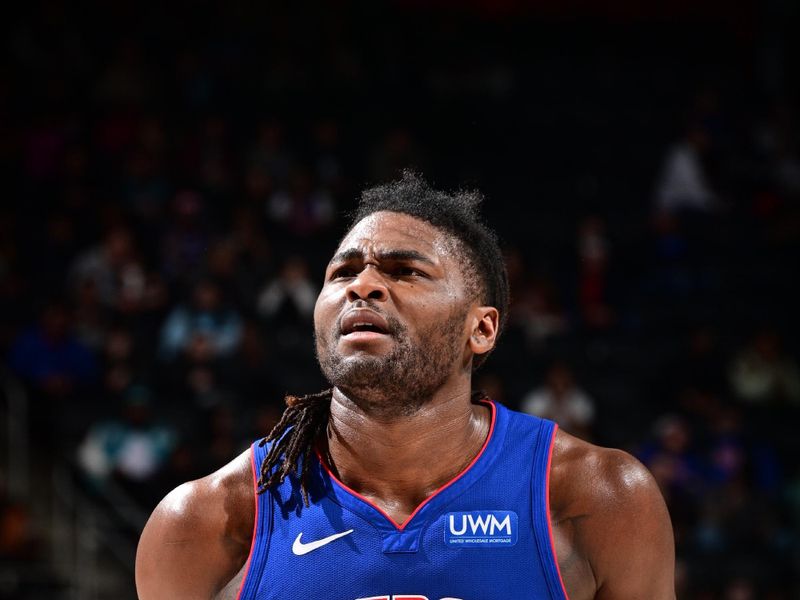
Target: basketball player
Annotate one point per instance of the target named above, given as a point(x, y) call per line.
point(400, 483)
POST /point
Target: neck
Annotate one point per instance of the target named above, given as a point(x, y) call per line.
point(388, 460)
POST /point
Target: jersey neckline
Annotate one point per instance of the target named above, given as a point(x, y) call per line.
point(433, 505)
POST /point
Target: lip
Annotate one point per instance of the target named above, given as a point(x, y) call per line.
point(351, 321)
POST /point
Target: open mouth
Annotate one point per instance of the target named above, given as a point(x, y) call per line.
point(362, 321)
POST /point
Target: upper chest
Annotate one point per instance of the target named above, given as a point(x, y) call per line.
point(485, 535)
point(481, 545)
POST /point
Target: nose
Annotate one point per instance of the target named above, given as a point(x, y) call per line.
point(368, 285)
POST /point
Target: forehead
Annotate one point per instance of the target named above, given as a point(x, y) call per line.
point(382, 231)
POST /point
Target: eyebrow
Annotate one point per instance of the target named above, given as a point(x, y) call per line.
point(355, 253)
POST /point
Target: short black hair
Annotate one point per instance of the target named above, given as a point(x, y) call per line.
point(457, 214)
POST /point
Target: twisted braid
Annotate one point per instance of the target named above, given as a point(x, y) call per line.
point(302, 423)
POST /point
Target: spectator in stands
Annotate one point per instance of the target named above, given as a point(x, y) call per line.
point(563, 402)
point(222, 265)
point(727, 452)
point(683, 183)
point(776, 144)
point(290, 296)
point(205, 326)
point(221, 440)
point(119, 368)
point(593, 275)
point(268, 156)
point(50, 357)
point(286, 307)
point(240, 259)
point(114, 268)
point(209, 157)
point(185, 242)
point(762, 373)
point(57, 246)
point(327, 159)
point(302, 208)
point(537, 310)
point(671, 273)
point(672, 459)
point(252, 246)
point(130, 448)
point(145, 183)
point(91, 315)
point(251, 373)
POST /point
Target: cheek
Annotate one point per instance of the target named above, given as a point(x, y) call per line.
point(324, 310)
point(319, 315)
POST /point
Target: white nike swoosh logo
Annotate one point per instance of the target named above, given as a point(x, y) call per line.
point(299, 548)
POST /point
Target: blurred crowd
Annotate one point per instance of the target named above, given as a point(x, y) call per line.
point(173, 204)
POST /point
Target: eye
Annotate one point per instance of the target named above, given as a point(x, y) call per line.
point(342, 273)
point(406, 271)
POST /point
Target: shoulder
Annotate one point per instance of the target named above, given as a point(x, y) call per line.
point(589, 473)
point(616, 518)
point(198, 537)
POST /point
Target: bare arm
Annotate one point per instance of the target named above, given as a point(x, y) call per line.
point(629, 539)
point(198, 538)
point(614, 529)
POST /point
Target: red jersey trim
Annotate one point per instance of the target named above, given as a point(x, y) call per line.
point(402, 526)
point(547, 507)
point(255, 524)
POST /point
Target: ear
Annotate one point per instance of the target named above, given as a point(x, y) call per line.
point(485, 321)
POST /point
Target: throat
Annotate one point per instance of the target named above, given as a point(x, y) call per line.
point(398, 466)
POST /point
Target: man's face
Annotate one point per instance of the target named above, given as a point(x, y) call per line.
point(391, 319)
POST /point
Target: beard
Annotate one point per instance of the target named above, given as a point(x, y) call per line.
point(398, 383)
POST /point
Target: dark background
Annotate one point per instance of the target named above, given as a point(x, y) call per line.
point(175, 178)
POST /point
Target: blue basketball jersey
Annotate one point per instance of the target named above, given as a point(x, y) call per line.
point(485, 535)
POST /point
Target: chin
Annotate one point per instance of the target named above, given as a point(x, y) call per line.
point(360, 369)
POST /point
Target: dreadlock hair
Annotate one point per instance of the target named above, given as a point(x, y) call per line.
point(305, 419)
point(308, 418)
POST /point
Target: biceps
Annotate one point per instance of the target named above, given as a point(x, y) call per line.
point(168, 567)
point(640, 563)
